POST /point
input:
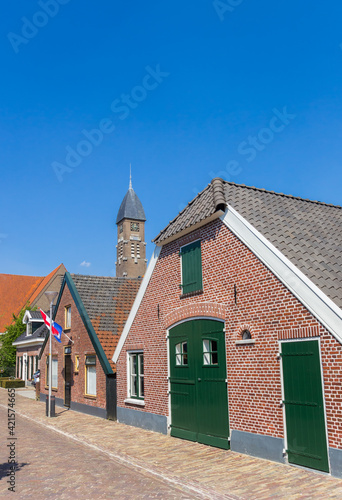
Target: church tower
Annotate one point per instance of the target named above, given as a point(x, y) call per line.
point(131, 246)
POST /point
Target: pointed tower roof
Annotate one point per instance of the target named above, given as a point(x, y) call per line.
point(131, 207)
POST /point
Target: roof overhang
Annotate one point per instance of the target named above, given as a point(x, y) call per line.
point(29, 342)
point(320, 306)
point(192, 228)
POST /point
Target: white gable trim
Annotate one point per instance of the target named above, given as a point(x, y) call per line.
point(323, 308)
point(28, 342)
point(137, 302)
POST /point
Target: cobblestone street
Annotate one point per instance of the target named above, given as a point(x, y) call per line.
point(91, 457)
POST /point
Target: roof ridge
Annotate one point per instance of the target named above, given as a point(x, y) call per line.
point(179, 213)
point(291, 196)
point(106, 277)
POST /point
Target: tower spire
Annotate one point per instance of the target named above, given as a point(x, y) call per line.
point(130, 176)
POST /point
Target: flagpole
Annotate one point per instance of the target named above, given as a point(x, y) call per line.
point(51, 297)
point(50, 361)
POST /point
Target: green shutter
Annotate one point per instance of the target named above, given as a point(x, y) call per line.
point(191, 267)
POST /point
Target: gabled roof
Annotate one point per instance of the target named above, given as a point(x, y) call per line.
point(131, 207)
point(108, 302)
point(308, 233)
point(45, 282)
point(39, 334)
point(103, 304)
point(32, 316)
point(15, 292)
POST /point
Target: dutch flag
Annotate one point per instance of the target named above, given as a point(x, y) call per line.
point(56, 328)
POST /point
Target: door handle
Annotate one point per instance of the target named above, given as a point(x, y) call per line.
point(199, 379)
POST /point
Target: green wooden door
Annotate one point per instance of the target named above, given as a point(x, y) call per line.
point(199, 400)
point(304, 408)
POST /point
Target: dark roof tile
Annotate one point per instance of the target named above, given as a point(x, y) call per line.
point(108, 301)
point(308, 233)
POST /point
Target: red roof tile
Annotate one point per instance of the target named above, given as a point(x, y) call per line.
point(43, 284)
point(15, 292)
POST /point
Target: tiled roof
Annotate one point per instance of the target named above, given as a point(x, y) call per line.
point(308, 233)
point(44, 283)
point(36, 315)
point(131, 207)
point(15, 292)
point(40, 333)
point(108, 302)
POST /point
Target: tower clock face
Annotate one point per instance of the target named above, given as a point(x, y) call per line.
point(135, 226)
point(121, 228)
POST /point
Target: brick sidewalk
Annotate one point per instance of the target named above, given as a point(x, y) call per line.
point(213, 472)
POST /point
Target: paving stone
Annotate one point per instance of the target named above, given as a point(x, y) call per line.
point(92, 450)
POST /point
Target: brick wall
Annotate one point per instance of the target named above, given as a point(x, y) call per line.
point(263, 305)
point(81, 347)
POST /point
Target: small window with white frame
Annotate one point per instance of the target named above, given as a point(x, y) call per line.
point(29, 328)
point(136, 375)
point(210, 354)
point(67, 317)
point(90, 375)
point(182, 354)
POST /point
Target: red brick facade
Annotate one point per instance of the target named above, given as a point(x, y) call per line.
point(81, 347)
point(263, 305)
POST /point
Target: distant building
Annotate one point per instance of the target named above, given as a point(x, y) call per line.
point(131, 247)
point(29, 343)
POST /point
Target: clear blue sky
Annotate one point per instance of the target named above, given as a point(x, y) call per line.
point(184, 91)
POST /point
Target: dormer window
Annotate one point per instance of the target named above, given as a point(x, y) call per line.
point(29, 328)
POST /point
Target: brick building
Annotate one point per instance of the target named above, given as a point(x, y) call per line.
point(23, 291)
point(235, 337)
point(92, 311)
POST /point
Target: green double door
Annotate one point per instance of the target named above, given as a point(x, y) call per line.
point(198, 388)
point(304, 406)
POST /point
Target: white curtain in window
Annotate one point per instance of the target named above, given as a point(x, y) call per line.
point(91, 380)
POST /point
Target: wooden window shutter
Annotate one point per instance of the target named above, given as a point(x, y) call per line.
point(191, 267)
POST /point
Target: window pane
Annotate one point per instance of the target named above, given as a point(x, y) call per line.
point(90, 360)
point(206, 345)
point(91, 380)
point(141, 376)
point(133, 385)
point(206, 358)
point(133, 363)
point(214, 358)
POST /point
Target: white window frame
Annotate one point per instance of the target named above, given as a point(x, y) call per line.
point(86, 378)
point(131, 398)
point(67, 317)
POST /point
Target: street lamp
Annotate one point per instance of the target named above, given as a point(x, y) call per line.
point(51, 297)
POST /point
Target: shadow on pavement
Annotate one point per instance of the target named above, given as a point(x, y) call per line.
point(5, 468)
point(58, 413)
